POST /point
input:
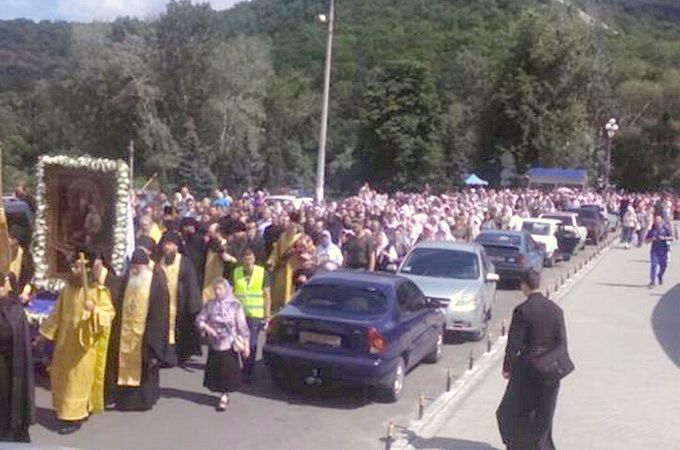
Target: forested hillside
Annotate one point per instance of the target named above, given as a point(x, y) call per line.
point(422, 91)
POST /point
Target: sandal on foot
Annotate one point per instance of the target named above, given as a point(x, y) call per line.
point(224, 401)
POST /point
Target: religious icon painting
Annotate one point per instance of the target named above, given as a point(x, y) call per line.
point(82, 203)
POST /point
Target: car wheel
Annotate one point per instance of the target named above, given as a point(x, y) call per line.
point(436, 355)
point(392, 392)
point(550, 262)
point(280, 376)
point(483, 329)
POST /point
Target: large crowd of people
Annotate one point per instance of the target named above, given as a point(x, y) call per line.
point(213, 271)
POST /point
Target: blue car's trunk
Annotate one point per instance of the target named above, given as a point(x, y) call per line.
point(332, 333)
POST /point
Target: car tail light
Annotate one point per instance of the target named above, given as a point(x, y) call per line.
point(376, 343)
point(520, 259)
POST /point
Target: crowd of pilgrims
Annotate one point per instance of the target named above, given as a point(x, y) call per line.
point(213, 271)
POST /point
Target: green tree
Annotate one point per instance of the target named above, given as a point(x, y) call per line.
point(539, 107)
point(399, 142)
point(234, 116)
point(290, 131)
point(185, 36)
point(194, 164)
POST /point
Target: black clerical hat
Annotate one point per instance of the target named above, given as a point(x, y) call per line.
point(140, 257)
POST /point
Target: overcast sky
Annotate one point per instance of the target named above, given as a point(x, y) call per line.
point(88, 10)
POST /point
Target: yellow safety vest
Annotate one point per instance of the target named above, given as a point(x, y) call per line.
point(251, 295)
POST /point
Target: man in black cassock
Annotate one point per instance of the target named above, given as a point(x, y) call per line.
point(139, 336)
point(17, 407)
point(194, 245)
point(526, 412)
point(184, 301)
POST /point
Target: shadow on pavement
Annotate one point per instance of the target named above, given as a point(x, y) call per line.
point(442, 443)
point(624, 285)
point(666, 323)
point(193, 397)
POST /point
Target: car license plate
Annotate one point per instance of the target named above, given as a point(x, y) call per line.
point(319, 339)
point(497, 258)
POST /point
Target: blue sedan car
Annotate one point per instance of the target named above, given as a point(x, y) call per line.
point(357, 328)
point(513, 253)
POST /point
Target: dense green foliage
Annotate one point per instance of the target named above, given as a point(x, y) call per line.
point(422, 91)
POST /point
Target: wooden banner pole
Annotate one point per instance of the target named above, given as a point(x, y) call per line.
point(5, 250)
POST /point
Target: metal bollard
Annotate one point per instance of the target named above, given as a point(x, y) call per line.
point(489, 336)
point(503, 328)
point(421, 406)
point(389, 435)
point(449, 379)
point(471, 360)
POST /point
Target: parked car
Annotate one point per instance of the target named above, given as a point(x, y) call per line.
point(570, 222)
point(594, 222)
point(458, 276)
point(297, 202)
point(512, 253)
point(611, 219)
point(544, 232)
point(354, 327)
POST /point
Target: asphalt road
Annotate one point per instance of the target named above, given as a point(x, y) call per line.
point(263, 417)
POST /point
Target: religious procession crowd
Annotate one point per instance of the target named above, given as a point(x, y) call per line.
point(214, 270)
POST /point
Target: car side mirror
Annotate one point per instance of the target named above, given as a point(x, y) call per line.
point(493, 278)
point(391, 268)
point(433, 303)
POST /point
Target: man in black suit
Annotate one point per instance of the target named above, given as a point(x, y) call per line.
point(526, 412)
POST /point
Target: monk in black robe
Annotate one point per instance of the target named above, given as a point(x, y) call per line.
point(139, 336)
point(184, 301)
point(194, 245)
point(526, 412)
point(17, 406)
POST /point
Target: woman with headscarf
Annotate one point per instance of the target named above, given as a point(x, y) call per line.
point(223, 321)
point(16, 369)
point(443, 232)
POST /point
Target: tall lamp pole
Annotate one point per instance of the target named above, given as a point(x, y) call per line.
point(611, 128)
point(321, 155)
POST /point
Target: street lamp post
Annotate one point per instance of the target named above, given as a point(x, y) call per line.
point(611, 128)
point(321, 155)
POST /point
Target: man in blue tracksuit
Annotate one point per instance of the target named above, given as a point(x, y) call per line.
point(659, 236)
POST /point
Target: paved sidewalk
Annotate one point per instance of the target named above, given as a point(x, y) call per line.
point(625, 393)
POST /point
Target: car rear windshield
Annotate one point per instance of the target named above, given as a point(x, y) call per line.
point(588, 213)
point(538, 228)
point(510, 240)
point(563, 219)
point(341, 299)
point(440, 263)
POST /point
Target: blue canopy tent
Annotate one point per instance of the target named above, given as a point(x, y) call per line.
point(557, 177)
point(474, 180)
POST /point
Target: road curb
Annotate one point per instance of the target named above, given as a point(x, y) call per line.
point(446, 404)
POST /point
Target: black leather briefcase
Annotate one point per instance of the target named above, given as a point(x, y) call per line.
point(554, 365)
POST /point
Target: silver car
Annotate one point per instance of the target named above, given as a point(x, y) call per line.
point(460, 277)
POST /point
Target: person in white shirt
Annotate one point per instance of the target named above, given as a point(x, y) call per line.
point(328, 255)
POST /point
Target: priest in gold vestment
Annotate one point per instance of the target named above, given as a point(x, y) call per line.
point(139, 337)
point(283, 263)
point(79, 325)
point(184, 301)
point(216, 260)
